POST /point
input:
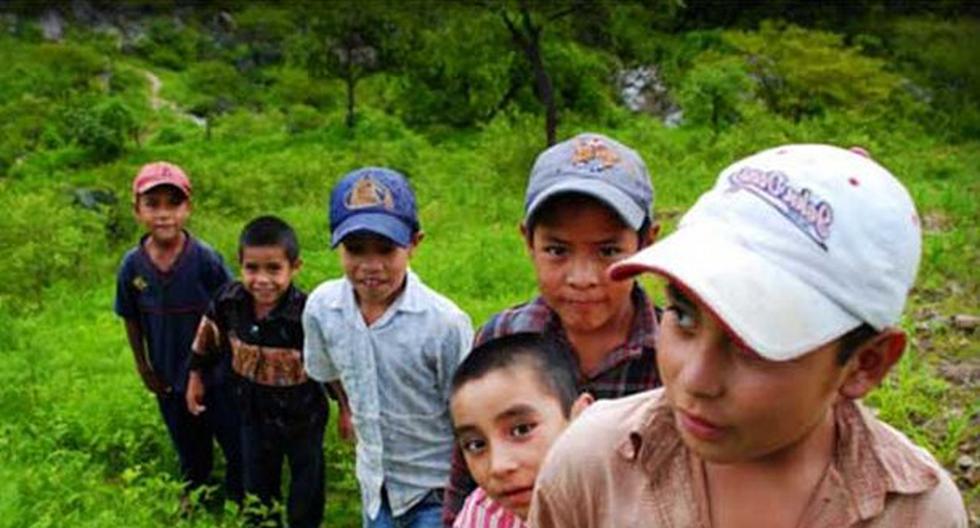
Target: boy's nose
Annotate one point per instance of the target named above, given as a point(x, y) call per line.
point(502, 462)
point(583, 273)
point(703, 371)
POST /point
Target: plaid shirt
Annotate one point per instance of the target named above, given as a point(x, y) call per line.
point(627, 369)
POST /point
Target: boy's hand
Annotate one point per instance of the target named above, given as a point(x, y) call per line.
point(345, 428)
point(152, 382)
point(195, 394)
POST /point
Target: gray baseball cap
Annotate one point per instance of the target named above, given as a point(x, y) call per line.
point(597, 166)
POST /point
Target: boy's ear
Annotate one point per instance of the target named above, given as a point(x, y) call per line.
point(872, 361)
point(526, 236)
point(580, 404)
point(650, 236)
point(416, 240)
point(296, 265)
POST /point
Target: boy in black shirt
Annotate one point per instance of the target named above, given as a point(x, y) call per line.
point(257, 321)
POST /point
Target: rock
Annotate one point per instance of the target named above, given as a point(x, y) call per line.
point(52, 25)
point(965, 462)
point(93, 199)
point(642, 90)
point(965, 321)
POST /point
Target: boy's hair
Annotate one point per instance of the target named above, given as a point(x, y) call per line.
point(269, 231)
point(546, 213)
point(551, 365)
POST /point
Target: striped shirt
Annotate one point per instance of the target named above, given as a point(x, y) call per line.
point(480, 511)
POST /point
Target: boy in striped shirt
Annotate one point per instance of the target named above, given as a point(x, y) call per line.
point(510, 399)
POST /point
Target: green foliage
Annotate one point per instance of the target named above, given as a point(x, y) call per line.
point(713, 91)
point(46, 240)
point(103, 128)
point(465, 83)
point(804, 72)
point(216, 88)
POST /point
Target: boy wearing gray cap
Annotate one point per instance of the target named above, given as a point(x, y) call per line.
point(588, 205)
point(786, 284)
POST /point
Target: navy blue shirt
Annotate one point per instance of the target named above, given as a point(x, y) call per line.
point(169, 305)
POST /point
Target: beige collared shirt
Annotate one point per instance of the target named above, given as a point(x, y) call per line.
point(622, 464)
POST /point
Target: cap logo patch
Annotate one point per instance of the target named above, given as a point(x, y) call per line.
point(369, 193)
point(594, 154)
point(809, 213)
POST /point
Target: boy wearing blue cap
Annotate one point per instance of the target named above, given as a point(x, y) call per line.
point(388, 345)
point(588, 205)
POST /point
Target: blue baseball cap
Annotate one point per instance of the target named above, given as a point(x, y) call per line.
point(597, 166)
point(376, 200)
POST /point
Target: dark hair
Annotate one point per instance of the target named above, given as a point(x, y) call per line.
point(552, 364)
point(548, 211)
point(853, 340)
point(269, 231)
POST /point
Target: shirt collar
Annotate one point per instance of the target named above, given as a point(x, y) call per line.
point(870, 460)
point(290, 305)
point(410, 300)
point(642, 333)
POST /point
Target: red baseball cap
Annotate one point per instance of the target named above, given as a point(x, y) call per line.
point(161, 173)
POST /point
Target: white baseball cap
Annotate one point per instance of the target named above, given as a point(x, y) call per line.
point(794, 247)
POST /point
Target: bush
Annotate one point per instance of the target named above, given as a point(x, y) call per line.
point(102, 129)
point(302, 118)
point(803, 72)
point(712, 92)
point(46, 239)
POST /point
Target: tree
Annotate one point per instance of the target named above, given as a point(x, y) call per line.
point(349, 42)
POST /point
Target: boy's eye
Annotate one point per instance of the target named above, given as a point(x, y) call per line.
point(610, 251)
point(686, 319)
point(555, 250)
point(521, 430)
point(472, 446)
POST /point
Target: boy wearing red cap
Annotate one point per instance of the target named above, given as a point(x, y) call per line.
point(163, 286)
point(786, 283)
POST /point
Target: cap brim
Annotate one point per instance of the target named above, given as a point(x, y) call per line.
point(153, 185)
point(627, 209)
point(378, 223)
point(770, 310)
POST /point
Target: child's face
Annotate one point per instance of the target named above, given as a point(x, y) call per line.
point(375, 265)
point(571, 254)
point(162, 210)
point(505, 422)
point(266, 274)
point(732, 405)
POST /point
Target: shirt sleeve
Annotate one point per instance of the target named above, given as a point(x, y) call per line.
point(207, 339)
point(454, 347)
point(316, 357)
point(125, 305)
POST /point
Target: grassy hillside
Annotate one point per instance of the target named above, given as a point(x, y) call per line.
point(81, 443)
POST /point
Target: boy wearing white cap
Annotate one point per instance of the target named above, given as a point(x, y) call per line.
point(786, 282)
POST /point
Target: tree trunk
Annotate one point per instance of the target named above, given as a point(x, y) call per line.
point(528, 38)
point(351, 84)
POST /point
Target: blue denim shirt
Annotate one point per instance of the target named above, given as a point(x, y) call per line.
point(397, 375)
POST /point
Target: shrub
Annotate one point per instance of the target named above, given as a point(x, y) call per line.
point(803, 72)
point(712, 91)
